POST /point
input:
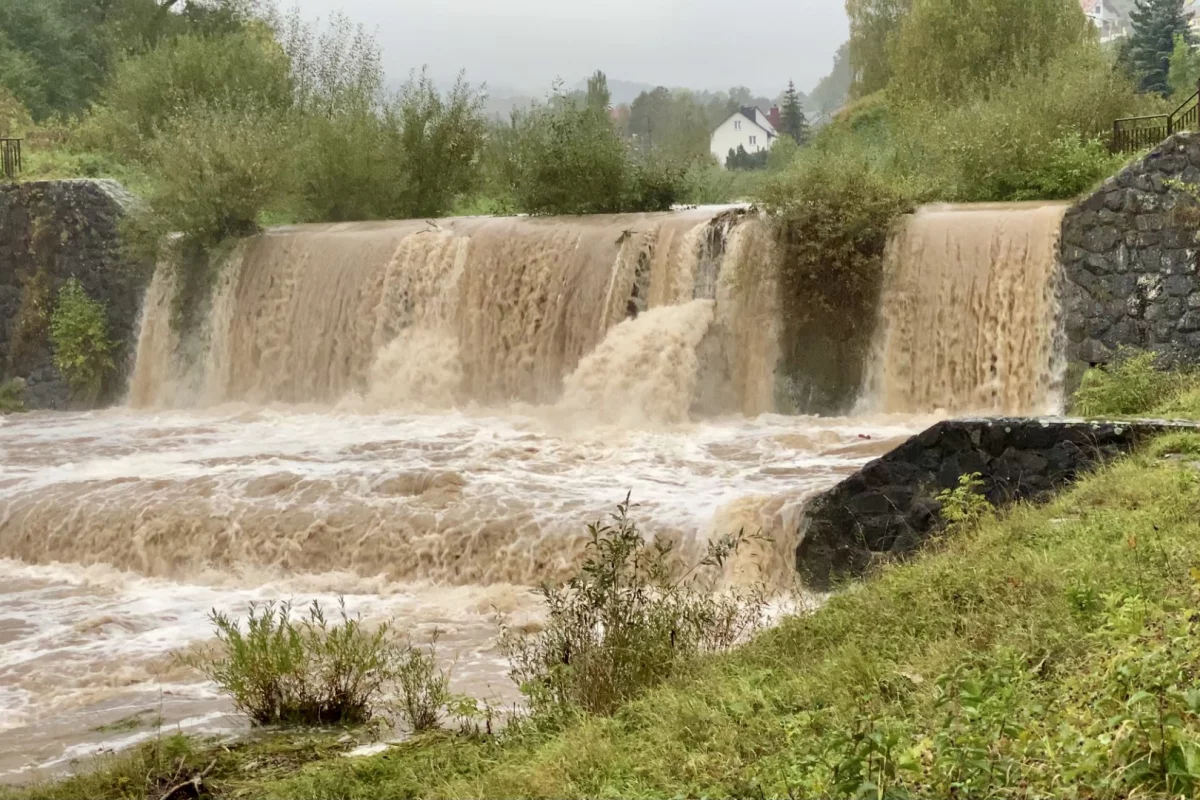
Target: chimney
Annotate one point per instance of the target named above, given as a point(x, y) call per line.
point(773, 116)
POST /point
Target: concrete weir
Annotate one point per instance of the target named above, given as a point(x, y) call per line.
point(889, 508)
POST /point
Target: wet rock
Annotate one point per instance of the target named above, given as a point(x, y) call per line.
point(890, 507)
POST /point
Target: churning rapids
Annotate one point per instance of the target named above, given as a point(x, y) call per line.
point(422, 418)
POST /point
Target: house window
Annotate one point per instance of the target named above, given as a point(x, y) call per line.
point(753, 140)
point(737, 124)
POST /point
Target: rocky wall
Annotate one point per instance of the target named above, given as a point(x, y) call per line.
point(890, 507)
point(51, 231)
point(1129, 256)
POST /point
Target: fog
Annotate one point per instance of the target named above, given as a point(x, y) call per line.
point(520, 46)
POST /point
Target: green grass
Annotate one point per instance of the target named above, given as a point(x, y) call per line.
point(12, 396)
point(1045, 652)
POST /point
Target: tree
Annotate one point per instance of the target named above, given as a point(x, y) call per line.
point(872, 25)
point(598, 95)
point(950, 50)
point(834, 89)
point(793, 121)
point(1156, 24)
point(1185, 68)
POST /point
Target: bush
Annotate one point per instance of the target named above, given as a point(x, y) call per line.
point(1038, 136)
point(964, 504)
point(245, 71)
point(314, 672)
point(568, 159)
point(623, 623)
point(834, 211)
point(12, 395)
point(1132, 384)
point(214, 170)
point(79, 338)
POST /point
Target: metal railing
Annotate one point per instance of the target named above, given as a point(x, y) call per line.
point(10, 158)
point(1138, 133)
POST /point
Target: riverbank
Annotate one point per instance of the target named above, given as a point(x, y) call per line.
point(1047, 651)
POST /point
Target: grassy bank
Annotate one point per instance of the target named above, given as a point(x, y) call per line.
point(1048, 651)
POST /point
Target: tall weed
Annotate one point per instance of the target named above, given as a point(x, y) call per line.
point(625, 622)
point(1133, 383)
point(279, 671)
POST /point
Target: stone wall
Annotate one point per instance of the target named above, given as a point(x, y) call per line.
point(51, 231)
point(889, 508)
point(1129, 255)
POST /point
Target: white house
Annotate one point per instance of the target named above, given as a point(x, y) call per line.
point(1109, 19)
point(750, 128)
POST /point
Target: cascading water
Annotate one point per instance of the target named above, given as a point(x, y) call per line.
point(969, 311)
point(421, 416)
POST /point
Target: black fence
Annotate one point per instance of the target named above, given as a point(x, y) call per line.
point(1138, 133)
point(10, 158)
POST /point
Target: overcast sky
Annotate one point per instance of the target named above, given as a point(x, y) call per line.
point(524, 44)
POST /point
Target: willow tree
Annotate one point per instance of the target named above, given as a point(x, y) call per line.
point(948, 50)
point(872, 25)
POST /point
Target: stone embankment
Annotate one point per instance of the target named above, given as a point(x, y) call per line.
point(51, 231)
point(890, 507)
point(1129, 255)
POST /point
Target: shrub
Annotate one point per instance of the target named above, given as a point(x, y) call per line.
point(1037, 136)
point(964, 505)
point(624, 623)
point(79, 338)
point(568, 159)
point(245, 70)
point(313, 672)
point(1132, 384)
point(214, 170)
point(834, 211)
point(424, 688)
point(441, 138)
point(12, 393)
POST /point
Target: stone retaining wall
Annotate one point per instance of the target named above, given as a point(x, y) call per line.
point(1129, 256)
point(51, 231)
point(889, 508)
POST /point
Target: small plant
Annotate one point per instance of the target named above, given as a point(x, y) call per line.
point(11, 396)
point(623, 623)
point(1131, 384)
point(311, 672)
point(79, 336)
point(424, 688)
point(964, 504)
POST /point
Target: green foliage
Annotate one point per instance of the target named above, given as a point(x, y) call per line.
point(1183, 73)
point(832, 92)
point(314, 672)
point(83, 351)
point(794, 123)
point(964, 504)
point(424, 688)
point(12, 395)
point(214, 170)
point(441, 139)
point(1132, 384)
point(245, 70)
point(947, 50)
point(624, 623)
point(740, 159)
point(873, 24)
point(708, 184)
point(1156, 25)
point(565, 157)
point(834, 212)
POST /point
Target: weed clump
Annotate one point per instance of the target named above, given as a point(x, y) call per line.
point(1134, 383)
point(313, 672)
point(626, 622)
point(79, 336)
